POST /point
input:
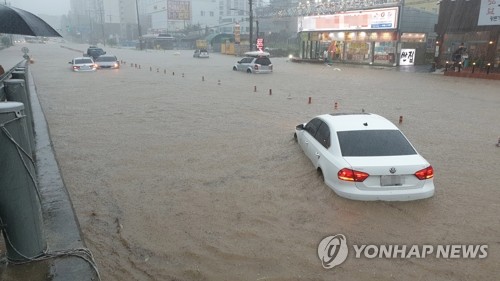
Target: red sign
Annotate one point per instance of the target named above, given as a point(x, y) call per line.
point(260, 44)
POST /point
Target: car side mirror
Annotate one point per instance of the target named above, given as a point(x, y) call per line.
point(239, 61)
point(300, 127)
point(69, 62)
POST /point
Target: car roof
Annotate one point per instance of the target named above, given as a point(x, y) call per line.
point(255, 54)
point(79, 58)
point(357, 121)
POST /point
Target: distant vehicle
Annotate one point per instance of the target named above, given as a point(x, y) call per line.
point(200, 53)
point(83, 64)
point(107, 61)
point(94, 52)
point(364, 156)
point(254, 62)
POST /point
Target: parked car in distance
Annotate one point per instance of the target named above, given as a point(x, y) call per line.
point(107, 61)
point(94, 52)
point(364, 156)
point(200, 53)
point(83, 64)
point(254, 62)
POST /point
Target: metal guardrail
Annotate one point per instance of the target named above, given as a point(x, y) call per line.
point(8, 75)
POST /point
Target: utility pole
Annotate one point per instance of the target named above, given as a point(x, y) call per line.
point(138, 25)
point(251, 25)
point(101, 15)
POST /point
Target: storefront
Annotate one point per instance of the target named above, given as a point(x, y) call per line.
point(363, 37)
point(476, 32)
point(370, 36)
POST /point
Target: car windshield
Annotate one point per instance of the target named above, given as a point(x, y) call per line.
point(82, 61)
point(374, 143)
point(107, 58)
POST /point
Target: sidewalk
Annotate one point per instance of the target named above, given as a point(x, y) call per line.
point(478, 73)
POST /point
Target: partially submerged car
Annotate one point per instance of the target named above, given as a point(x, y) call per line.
point(200, 53)
point(94, 52)
point(83, 64)
point(364, 156)
point(254, 62)
point(107, 61)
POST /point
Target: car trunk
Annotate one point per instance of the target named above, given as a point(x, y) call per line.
point(389, 172)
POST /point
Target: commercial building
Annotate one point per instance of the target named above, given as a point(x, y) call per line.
point(382, 34)
point(472, 26)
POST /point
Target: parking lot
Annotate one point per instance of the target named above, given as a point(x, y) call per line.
point(181, 169)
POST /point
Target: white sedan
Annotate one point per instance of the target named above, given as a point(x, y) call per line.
point(83, 64)
point(365, 157)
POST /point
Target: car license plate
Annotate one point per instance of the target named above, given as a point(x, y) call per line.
point(391, 180)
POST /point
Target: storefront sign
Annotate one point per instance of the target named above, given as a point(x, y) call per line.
point(386, 18)
point(489, 13)
point(237, 34)
point(407, 57)
point(260, 44)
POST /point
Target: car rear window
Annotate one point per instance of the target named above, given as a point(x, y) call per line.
point(263, 61)
point(374, 143)
point(80, 61)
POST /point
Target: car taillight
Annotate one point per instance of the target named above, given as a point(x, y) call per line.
point(352, 175)
point(424, 174)
point(76, 67)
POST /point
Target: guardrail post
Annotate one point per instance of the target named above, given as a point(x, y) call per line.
point(20, 211)
point(16, 90)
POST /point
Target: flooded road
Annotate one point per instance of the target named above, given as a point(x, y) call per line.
point(180, 171)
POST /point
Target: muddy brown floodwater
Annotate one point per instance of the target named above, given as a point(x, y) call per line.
point(176, 178)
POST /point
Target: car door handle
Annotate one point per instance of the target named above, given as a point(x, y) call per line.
point(317, 154)
point(306, 142)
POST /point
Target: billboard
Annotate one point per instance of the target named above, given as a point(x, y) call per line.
point(178, 10)
point(489, 13)
point(374, 19)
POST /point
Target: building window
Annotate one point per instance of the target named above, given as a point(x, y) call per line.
point(202, 13)
point(211, 13)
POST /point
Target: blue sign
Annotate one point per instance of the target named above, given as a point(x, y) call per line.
point(382, 25)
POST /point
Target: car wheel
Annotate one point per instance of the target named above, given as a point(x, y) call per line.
point(249, 71)
point(234, 68)
point(320, 175)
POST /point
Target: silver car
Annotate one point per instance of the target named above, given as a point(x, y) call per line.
point(200, 53)
point(107, 61)
point(259, 64)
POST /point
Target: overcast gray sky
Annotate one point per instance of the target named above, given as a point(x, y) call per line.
point(37, 7)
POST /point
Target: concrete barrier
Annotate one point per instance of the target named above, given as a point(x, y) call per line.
point(16, 90)
point(20, 210)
